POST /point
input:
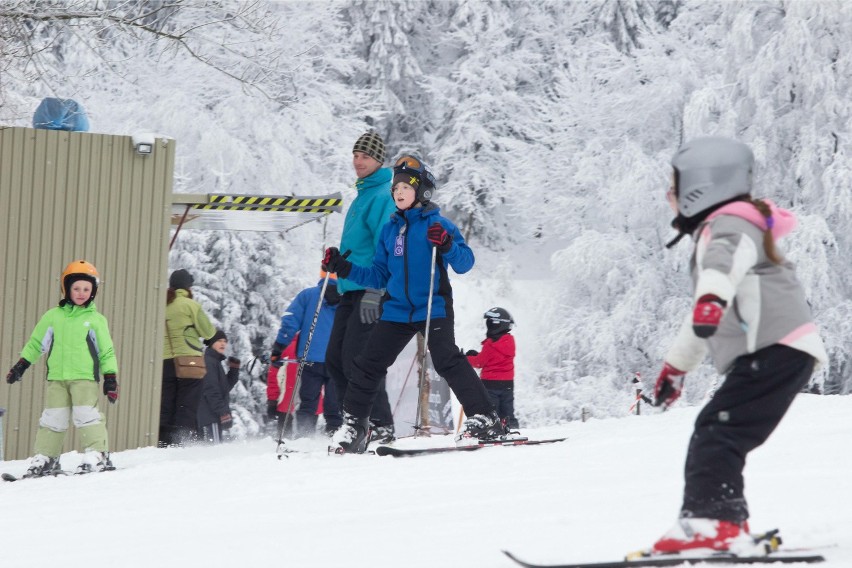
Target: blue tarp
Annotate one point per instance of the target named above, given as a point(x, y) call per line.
point(61, 114)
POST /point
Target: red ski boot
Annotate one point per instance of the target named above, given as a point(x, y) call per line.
point(707, 534)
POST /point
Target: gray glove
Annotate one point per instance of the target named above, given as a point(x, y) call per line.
point(370, 305)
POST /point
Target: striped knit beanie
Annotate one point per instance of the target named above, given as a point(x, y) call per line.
point(371, 144)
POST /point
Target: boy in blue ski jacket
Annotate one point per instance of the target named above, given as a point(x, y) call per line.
point(298, 320)
point(402, 265)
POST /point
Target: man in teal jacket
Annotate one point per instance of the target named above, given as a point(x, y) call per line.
point(359, 308)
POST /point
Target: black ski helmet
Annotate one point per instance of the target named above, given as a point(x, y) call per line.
point(498, 320)
point(420, 177)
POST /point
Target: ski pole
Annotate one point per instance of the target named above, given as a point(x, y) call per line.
point(419, 425)
point(304, 357)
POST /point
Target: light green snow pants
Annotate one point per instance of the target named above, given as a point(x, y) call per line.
point(66, 400)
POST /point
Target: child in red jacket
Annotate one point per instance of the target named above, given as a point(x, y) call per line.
point(497, 361)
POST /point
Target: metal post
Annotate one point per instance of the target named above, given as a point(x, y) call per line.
point(2, 412)
point(418, 425)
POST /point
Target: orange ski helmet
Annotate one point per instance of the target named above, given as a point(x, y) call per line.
point(79, 270)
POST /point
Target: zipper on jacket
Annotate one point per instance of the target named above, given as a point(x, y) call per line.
point(405, 269)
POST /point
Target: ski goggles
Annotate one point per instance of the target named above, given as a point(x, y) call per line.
point(408, 162)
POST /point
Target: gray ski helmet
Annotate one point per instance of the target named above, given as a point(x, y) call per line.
point(498, 320)
point(711, 170)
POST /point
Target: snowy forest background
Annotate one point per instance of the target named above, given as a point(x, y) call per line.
point(550, 126)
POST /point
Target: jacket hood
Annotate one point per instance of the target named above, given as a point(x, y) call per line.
point(783, 220)
point(424, 212)
point(210, 352)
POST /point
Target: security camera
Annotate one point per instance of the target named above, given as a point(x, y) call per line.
point(144, 143)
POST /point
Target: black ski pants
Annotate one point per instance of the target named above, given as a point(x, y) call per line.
point(178, 406)
point(384, 345)
point(347, 340)
point(742, 414)
point(503, 400)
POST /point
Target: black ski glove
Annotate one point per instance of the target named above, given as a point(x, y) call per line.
point(271, 409)
point(225, 421)
point(275, 355)
point(439, 237)
point(233, 363)
point(471, 353)
point(111, 387)
point(336, 263)
point(17, 371)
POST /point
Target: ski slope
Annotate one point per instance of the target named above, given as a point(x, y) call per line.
point(612, 487)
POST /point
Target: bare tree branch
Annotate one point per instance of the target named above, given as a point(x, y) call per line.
point(237, 39)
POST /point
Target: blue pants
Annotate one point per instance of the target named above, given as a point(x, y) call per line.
point(314, 378)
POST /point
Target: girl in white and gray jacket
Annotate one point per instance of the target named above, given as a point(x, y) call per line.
point(751, 315)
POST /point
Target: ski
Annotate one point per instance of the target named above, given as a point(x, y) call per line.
point(9, 477)
point(411, 452)
point(87, 472)
point(662, 561)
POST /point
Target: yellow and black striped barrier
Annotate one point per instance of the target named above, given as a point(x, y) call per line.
point(270, 203)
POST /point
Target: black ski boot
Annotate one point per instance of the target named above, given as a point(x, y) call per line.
point(42, 465)
point(382, 434)
point(352, 437)
point(484, 427)
point(95, 462)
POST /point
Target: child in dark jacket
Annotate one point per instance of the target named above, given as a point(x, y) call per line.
point(497, 361)
point(403, 266)
point(214, 410)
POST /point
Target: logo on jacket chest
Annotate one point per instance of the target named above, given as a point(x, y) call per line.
point(399, 243)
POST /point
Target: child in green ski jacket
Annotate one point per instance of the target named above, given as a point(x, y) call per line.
point(79, 348)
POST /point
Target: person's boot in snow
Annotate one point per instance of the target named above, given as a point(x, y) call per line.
point(352, 437)
point(700, 533)
point(41, 465)
point(481, 427)
point(94, 462)
point(382, 434)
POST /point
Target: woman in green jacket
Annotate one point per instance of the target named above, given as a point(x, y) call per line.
point(76, 339)
point(186, 326)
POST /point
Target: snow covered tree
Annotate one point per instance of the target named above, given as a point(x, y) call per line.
point(387, 34)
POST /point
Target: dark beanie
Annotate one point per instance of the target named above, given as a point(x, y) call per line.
point(216, 337)
point(371, 144)
point(409, 177)
point(181, 279)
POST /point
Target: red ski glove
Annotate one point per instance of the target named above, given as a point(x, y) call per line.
point(439, 237)
point(707, 314)
point(669, 386)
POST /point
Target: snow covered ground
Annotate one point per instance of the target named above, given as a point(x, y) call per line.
point(612, 487)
